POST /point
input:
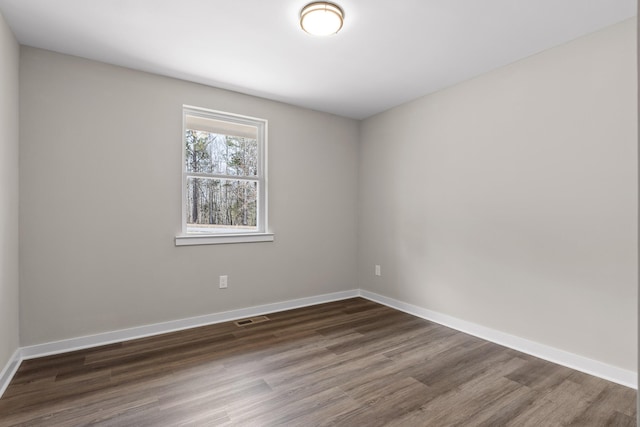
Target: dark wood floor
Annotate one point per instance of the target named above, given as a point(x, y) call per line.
point(348, 363)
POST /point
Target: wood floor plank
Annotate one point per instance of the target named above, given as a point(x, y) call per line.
point(345, 363)
point(378, 404)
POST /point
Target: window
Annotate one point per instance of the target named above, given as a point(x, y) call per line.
point(224, 178)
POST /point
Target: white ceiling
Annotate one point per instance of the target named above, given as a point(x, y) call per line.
point(387, 53)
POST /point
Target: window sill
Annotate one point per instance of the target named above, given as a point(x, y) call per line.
point(222, 239)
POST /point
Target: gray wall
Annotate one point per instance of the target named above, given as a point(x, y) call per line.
point(100, 200)
point(510, 200)
point(9, 60)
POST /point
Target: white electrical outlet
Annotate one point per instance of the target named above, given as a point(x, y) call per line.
point(223, 282)
point(378, 270)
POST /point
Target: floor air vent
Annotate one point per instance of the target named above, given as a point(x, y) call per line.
point(251, 321)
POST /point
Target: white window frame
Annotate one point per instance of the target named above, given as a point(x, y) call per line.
point(262, 234)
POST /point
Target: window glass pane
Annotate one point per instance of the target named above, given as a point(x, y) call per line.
point(221, 206)
point(214, 153)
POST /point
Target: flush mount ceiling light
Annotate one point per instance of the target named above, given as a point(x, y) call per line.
point(321, 18)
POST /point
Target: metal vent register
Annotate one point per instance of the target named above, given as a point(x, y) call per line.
point(251, 321)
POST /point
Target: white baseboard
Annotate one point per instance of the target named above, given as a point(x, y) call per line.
point(9, 370)
point(580, 363)
point(72, 344)
point(560, 357)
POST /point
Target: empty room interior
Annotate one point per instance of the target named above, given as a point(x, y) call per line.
point(355, 213)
